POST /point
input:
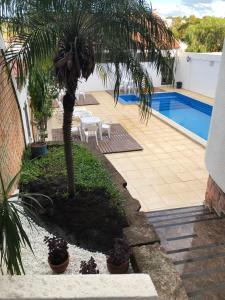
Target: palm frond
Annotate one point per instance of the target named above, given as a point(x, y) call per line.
point(82, 33)
point(12, 233)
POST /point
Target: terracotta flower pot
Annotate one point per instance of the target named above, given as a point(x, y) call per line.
point(59, 268)
point(113, 269)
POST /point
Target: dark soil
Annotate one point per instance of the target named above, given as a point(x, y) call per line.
point(90, 220)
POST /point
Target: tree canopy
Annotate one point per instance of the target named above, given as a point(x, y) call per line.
point(200, 35)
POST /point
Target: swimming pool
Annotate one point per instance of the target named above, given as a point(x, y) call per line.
point(189, 113)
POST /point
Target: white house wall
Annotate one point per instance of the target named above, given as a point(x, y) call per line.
point(198, 72)
point(215, 154)
point(22, 96)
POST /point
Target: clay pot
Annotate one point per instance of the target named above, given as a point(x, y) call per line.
point(122, 269)
point(59, 268)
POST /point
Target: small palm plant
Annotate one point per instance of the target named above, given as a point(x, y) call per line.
point(12, 233)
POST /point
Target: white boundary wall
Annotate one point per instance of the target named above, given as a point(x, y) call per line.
point(94, 82)
point(198, 71)
point(215, 154)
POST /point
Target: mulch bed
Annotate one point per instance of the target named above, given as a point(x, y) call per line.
point(89, 100)
point(120, 141)
point(89, 222)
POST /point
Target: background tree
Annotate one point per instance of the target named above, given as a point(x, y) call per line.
point(200, 35)
point(206, 36)
point(80, 33)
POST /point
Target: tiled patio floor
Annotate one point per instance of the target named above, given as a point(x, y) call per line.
point(170, 172)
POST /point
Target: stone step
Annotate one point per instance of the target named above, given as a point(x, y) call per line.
point(181, 220)
point(204, 231)
point(198, 253)
point(200, 264)
point(206, 284)
point(176, 211)
point(210, 292)
point(194, 239)
point(178, 216)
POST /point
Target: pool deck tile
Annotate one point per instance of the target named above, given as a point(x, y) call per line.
point(170, 172)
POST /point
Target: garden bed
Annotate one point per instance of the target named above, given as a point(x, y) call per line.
point(37, 264)
point(95, 217)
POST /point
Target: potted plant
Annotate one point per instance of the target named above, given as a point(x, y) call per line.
point(43, 91)
point(118, 258)
point(58, 256)
point(89, 267)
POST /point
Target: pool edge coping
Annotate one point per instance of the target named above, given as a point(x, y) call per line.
point(180, 128)
point(170, 122)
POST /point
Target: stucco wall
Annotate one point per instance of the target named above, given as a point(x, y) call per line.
point(95, 83)
point(22, 96)
point(198, 71)
point(215, 153)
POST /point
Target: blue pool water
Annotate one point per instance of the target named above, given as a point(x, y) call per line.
point(192, 114)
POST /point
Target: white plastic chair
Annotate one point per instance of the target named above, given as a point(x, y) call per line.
point(130, 88)
point(76, 127)
point(76, 130)
point(61, 94)
point(79, 94)
point(123, 86)
point(59, 111)
point(106, 127)
point(89, 131)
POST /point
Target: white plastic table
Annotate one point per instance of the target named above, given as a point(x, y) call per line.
point(90, 121)
point(81, 112)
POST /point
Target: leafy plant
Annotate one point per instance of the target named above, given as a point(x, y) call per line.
point(12, 232)
point(200, 34)
point(57, 250)
point(120, 252)
point(43, 91)
point(89, 267)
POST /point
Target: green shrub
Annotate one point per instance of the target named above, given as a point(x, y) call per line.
point(89, 171)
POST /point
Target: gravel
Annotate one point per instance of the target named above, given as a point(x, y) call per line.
point(37, 264)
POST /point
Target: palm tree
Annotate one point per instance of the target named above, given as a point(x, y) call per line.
point(78, 34)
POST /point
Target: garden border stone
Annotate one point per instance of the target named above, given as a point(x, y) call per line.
point(152, 259)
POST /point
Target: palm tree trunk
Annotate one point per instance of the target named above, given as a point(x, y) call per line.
point(68, 105)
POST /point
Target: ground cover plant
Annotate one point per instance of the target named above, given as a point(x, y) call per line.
point(95, 218)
